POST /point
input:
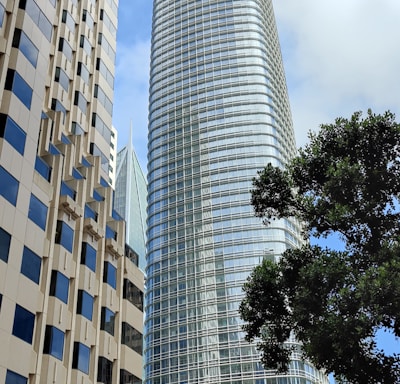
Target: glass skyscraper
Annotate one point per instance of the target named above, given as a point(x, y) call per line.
point(130, 201)
point(219, 112)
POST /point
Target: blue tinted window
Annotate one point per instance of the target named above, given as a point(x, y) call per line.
point(25, 45)
point(31, 264)
point(85, 44)
point(81, 357)
point(106, 47)
point(24, 322)
point(107, 320)
point(15, 378)
point(67, 190)
point(37, 212)
point(57, 106)
point(13, 133)
point(80, 101)
point(59, 286)
point(110, 274)
point(20, 88)
point(65, 48)
point(8, 186)
point(38, 17)
point(64, 235)
point(85, 304)
point(43, 168)
point(83, 72)
point(68, 20)
point(54, 342)
point(88, 256)
point(5, 240)
point(90, 213)
point(110, 233)
point(88, 19)
point(62, 78)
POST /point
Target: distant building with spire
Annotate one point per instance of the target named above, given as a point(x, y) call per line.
point(130, 201)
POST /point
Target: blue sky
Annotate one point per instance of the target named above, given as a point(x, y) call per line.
point(340, 56)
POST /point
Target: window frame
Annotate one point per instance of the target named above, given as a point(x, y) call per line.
point(31, 265)
point(37, 207)
point(23, 324)
point(9, 186)
point(84, 303)
point(57, 286)
point(52, 344)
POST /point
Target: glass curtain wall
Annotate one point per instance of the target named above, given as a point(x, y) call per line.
point(219, 112)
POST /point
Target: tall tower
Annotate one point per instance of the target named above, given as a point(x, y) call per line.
point(219, 112)
point(130, 201)
point(70, 301)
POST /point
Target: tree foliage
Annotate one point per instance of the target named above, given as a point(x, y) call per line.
point(346, 181)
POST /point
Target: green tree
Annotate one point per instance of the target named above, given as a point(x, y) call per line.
point(346, 182)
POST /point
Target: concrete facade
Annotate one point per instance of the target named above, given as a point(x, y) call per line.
point(71, 303)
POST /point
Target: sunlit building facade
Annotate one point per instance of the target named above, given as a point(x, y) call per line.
point(71, 302)
point(219, 112)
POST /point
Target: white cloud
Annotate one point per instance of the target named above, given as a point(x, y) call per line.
point(340, 56)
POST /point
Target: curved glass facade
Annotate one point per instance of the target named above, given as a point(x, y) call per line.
point(219, 112)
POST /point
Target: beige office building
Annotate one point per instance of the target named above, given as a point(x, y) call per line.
point(70, 300)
